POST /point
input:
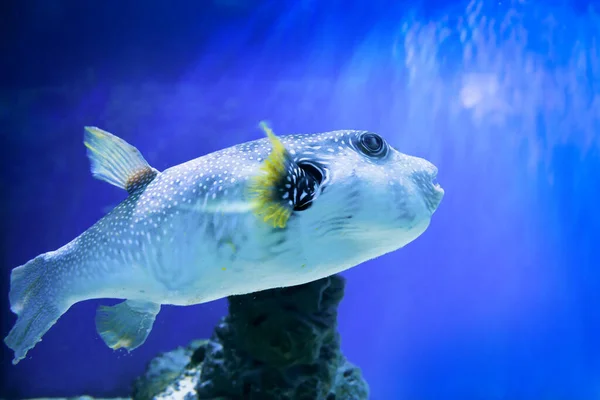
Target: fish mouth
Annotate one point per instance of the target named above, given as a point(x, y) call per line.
point(436, 186)
point(436, 193)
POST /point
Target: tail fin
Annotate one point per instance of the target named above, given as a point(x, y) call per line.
point(35, 298)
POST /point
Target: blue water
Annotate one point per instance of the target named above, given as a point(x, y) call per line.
point(497, 300)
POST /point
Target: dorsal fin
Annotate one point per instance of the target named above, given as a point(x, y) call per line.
point(115, 161)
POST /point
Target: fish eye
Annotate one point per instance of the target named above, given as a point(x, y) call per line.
point(372, 144)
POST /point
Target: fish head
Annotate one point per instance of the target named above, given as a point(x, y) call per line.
point(371, 199)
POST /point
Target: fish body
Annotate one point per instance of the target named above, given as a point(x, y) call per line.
point(269, 213)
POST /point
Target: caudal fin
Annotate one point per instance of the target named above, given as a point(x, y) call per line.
point(35, 298)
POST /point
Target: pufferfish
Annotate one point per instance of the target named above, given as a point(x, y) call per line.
point(274, 212)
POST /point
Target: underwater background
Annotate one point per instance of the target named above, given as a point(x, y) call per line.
point(498, 299)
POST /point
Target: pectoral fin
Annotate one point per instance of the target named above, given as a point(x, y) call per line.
point(282, 187)
point(126, 324)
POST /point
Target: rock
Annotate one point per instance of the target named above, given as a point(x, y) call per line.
point(281, 344)
point(171, 375)
point(81, 398)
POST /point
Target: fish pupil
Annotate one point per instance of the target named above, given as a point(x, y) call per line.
point(372, 145)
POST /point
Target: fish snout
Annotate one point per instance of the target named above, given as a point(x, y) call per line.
point(426, 179)
point(437, 194)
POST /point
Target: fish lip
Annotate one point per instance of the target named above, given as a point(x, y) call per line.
point(436, 185)
point(437, 192)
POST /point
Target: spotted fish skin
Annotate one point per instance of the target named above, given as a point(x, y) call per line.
point(191, 234)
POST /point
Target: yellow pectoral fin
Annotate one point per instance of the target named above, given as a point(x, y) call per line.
point(263, 187)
